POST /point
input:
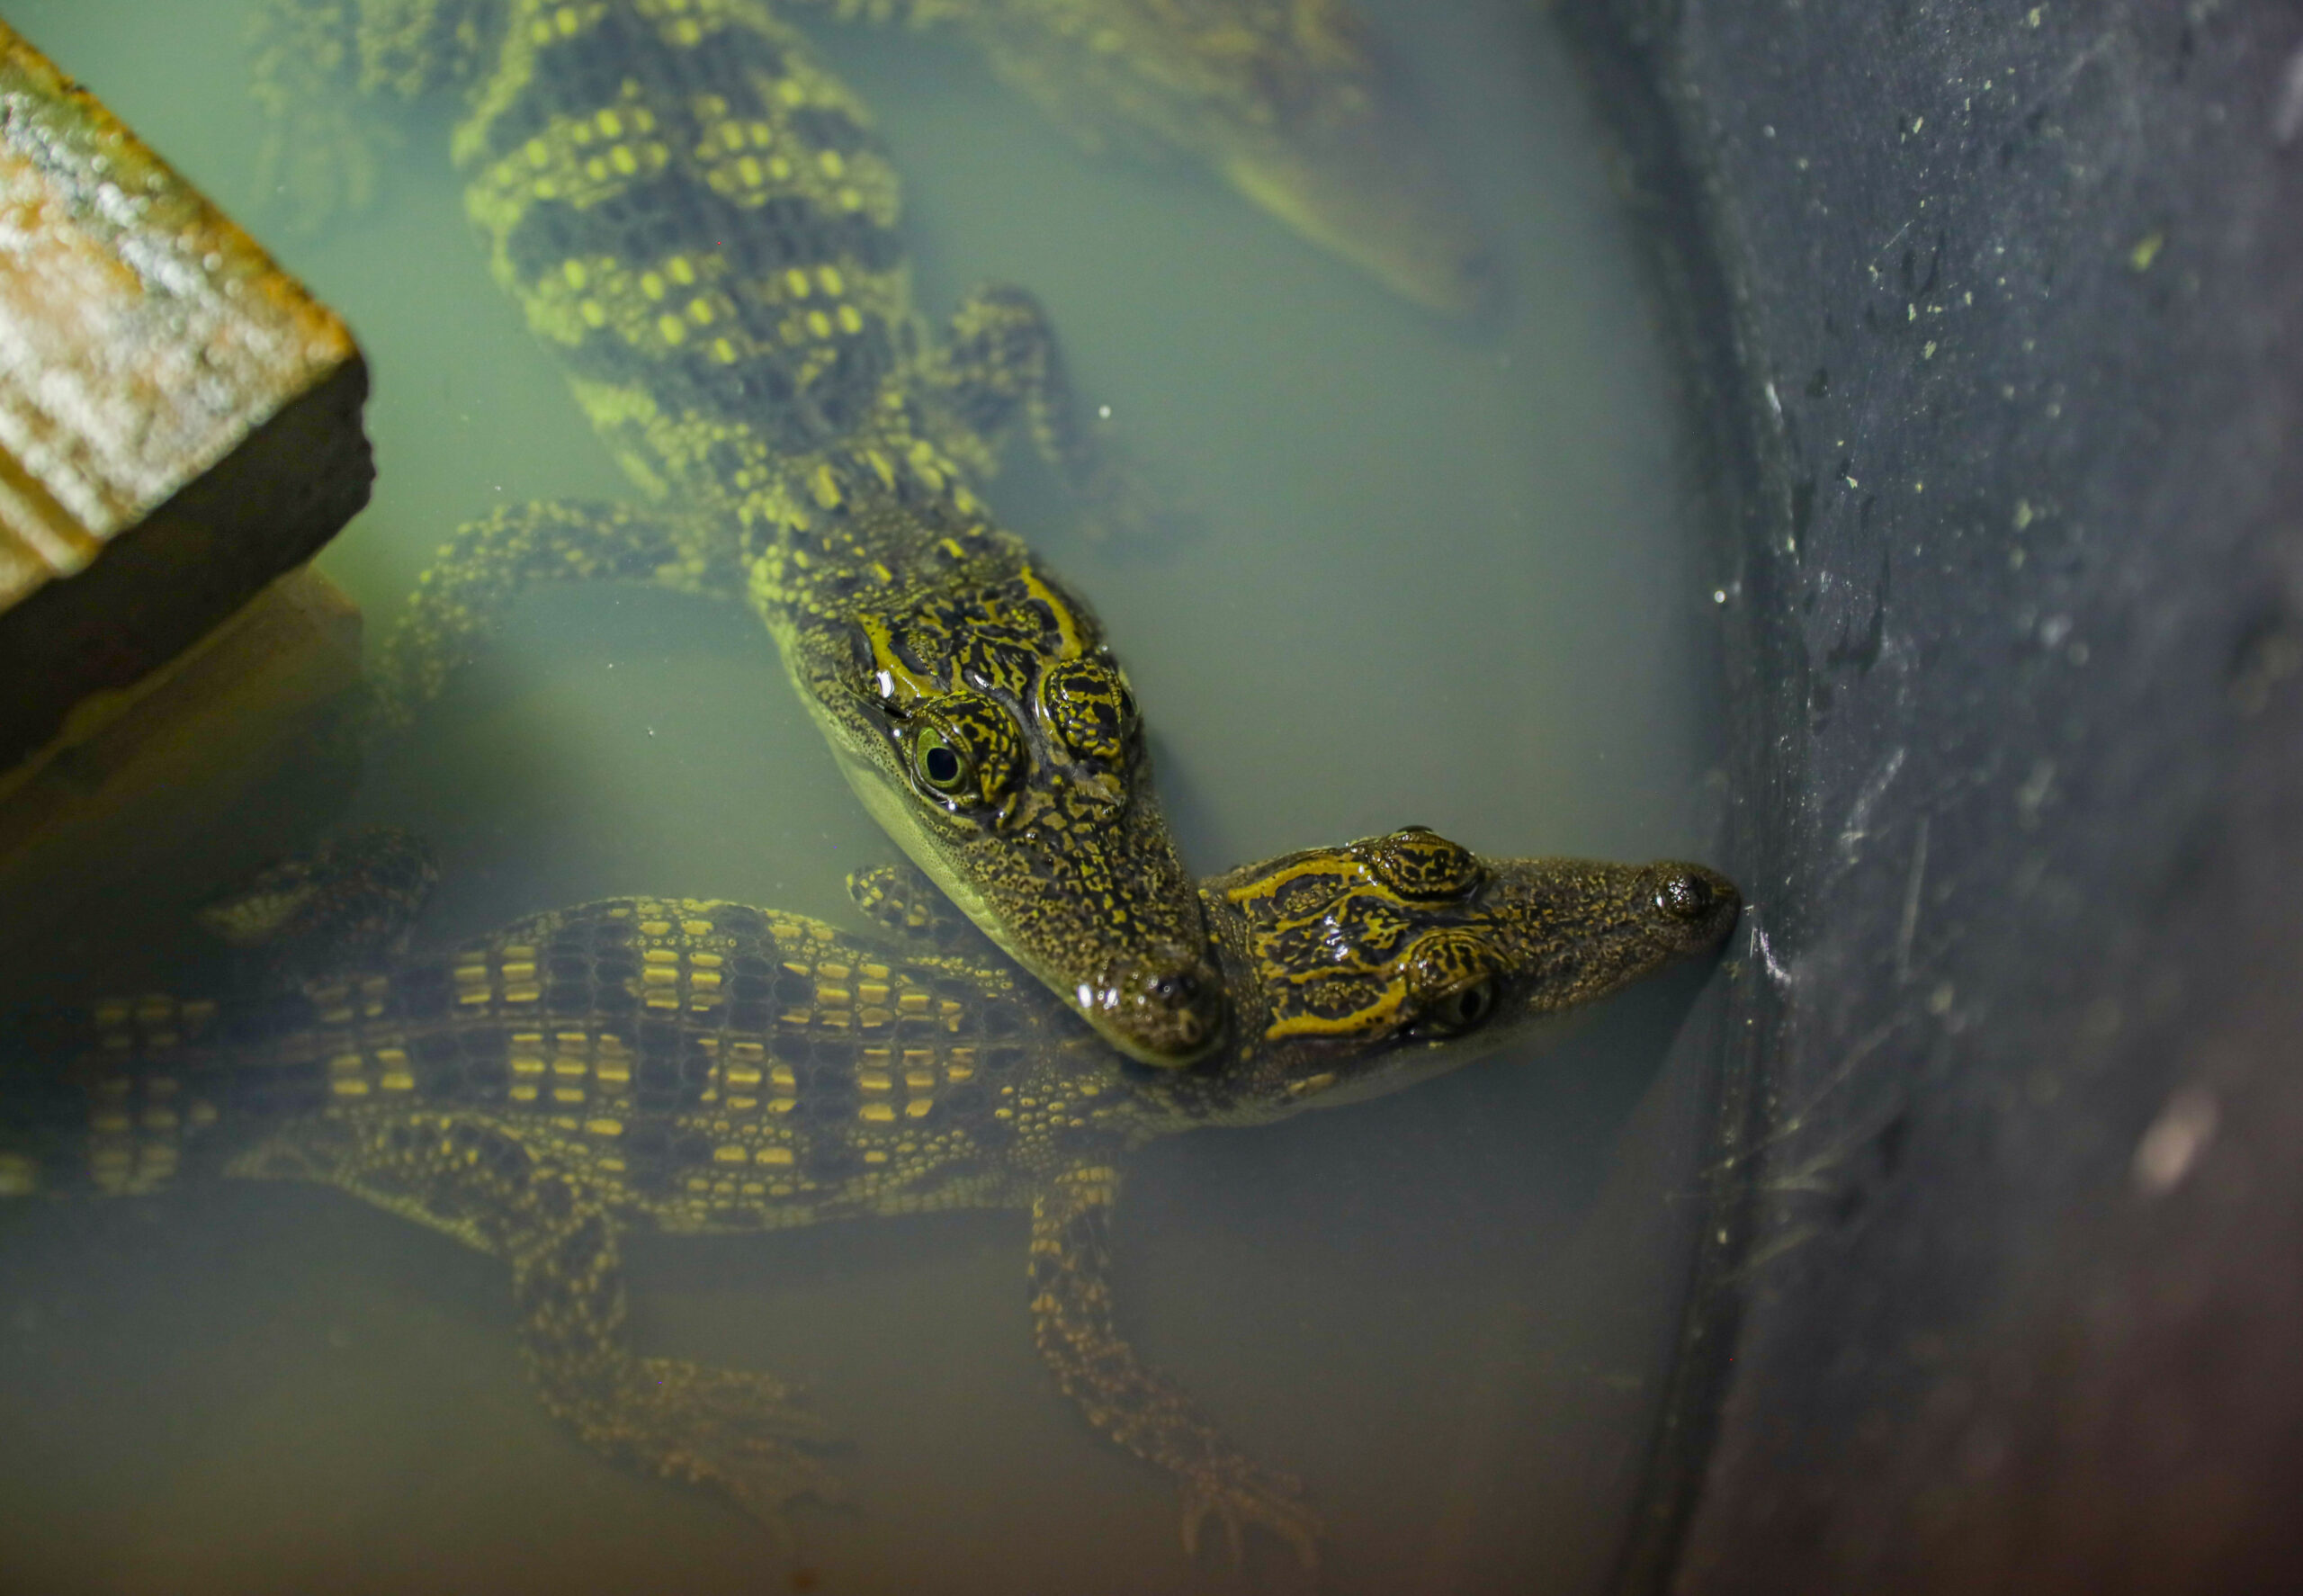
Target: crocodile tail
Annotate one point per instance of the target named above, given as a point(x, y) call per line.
point(119, 1096)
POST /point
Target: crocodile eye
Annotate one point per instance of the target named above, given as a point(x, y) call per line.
point(939, 764)
point(963, 747)
point(1463, 1009)
point(1451, 978)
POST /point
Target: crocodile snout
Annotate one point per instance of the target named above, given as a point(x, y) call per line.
point(1695, 908)
point(1165, 1007)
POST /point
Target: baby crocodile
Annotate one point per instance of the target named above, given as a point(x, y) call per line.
point(699, 220)
point(693, 1066)
point(1294, 103)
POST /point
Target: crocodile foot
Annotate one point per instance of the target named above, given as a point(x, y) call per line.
point(1241, 1494)
point(734, 1430)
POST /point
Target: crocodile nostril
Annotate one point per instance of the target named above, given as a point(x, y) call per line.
point(1684, 895)
point(1176, 986)
point(1702, 903)
point(1167, 1009)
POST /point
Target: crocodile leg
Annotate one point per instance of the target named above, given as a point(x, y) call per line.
point(314, 61)
point(1073, 1324)
point(901, 898)
point(488, 563)
point(730, 1429)
point(1002, 367)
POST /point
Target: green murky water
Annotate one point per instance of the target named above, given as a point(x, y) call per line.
point(1444, 579)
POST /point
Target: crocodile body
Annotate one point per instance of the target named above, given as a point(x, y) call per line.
point(692, 1066)
point(702, 226)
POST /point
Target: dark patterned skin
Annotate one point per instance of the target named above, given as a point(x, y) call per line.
point(702, 226)
point(700, 1066)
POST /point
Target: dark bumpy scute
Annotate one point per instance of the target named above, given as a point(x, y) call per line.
point(699, 221)
point(574, 73)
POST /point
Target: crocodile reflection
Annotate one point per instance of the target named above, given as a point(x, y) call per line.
point(1295, 103)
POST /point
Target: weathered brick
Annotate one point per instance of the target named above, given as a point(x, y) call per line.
point(179, 419)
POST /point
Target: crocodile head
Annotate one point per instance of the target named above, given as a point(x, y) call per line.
point(1293, 101)
point(1363, 969)
point(992, 735)
point(350, 901)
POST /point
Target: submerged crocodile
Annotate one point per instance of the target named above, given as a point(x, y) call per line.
point(700, 222)
point(1294, 103)
point(690, 1066)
